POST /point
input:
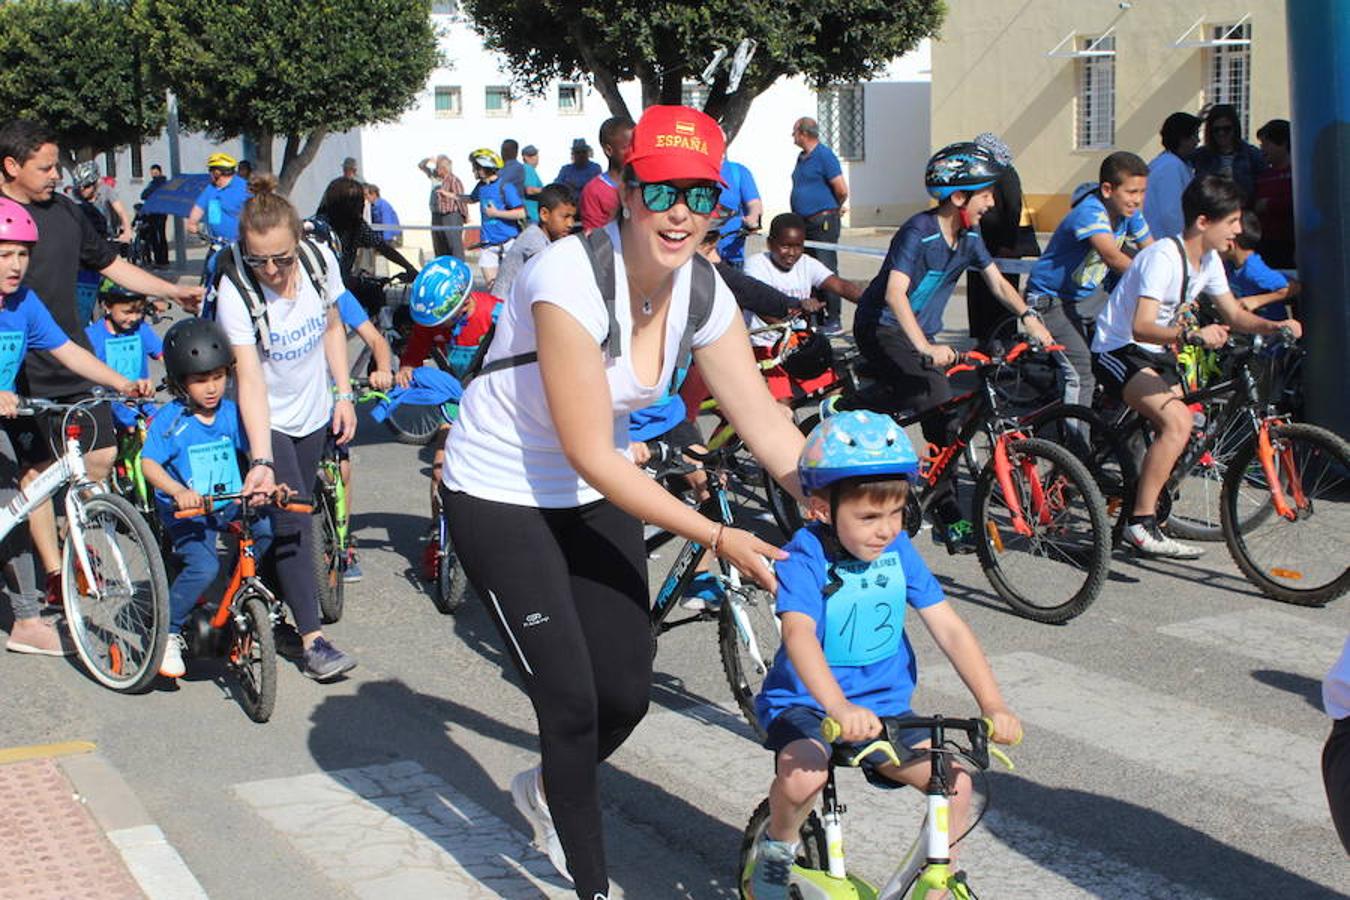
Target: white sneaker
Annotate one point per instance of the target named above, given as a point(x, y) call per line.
point(529, 799)
point(1150, 541)
point(173, 665)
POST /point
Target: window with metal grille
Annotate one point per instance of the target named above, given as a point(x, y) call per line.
point(569, 99)
point(694, 94)
point(110, 163)
point(1230, 69)
point(137, 167)
point(1096, 93)
point(839, 112)
point(497, 100)
point(447, 102)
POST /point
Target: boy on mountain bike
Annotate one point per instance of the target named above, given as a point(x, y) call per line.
point(26, 324)
point(1086, 249)
point(1152, 310)
point(124, 341)
point(502, 210)
point(900, 312)
point(192, 450)
point(842, 596)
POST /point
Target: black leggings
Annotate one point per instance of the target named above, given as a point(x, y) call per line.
point(1336, 777)
point(567, 589)
point(297, 463)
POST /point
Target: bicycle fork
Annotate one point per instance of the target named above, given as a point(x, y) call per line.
point(1266, 452)
point(1003, 471)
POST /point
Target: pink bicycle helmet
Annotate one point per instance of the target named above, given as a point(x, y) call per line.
point(16, 225)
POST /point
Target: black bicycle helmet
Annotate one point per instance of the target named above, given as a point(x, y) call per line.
point(808, 355)
point(193, 346)
point(961, 167)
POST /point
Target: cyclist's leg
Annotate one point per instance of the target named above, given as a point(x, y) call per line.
point(801, 766)
point(916, 773)
point(1158, 400)
point(195, 546)
point(1336, 777)
point(1075, 360)
point(25, 600)
point(297, 462)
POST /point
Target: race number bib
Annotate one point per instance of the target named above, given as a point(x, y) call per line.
point(125, 355)
point(11, 357)
point(215, 467)
point(865, 617)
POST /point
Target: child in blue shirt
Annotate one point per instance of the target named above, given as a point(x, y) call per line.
point(192, 450)
point(1086, 254)
point(26, 324)
point(900, 312)
point(843, 592)
point(1258, 287)
point(124, 341)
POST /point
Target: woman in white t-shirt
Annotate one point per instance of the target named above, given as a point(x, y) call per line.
point(284, 395)
point(545, 509)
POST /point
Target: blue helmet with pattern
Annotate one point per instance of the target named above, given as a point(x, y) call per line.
point(961, 167)
point(855, 444)
point(440, 290)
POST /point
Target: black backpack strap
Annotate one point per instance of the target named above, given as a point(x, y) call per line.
point(702, 294)
point(1185, 273)
point(233, 267)
point(600, 251)
point(316, 267)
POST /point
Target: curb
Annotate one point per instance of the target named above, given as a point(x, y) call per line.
point(151, 859)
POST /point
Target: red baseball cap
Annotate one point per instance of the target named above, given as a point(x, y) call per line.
point(675, 142)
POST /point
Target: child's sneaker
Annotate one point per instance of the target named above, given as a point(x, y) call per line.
point(173, 666)
point(351, 569)
point(771, 868)
point(324, 662)
point(704, 592)
point(1146, 539)
point(958, 537)
point(529, 799)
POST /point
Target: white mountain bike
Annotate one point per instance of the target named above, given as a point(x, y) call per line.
point(112, 574)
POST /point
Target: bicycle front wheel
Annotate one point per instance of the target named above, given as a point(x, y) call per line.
point(253, 656)
point(416, 424)
point(746, 629)
point(452, 583)
point(118, 612)
point(1302, 559)
point(328, 558)
point(1049, 559)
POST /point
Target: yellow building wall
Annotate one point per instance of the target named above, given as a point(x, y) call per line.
point(991, 73)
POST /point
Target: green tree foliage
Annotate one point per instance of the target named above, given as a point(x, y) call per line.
point(76, 67)
point(665, 43)
point(297, 69)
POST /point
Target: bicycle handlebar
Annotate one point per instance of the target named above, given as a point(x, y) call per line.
point(281, 498)
point(972, 360)
point(977, 730)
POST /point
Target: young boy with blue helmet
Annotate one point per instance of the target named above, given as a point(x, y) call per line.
point(843, 592)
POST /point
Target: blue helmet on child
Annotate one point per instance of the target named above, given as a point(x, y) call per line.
point(965, 166)
point(440, 290)
point(855, 444)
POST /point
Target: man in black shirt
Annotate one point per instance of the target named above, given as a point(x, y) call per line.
point(66, 242)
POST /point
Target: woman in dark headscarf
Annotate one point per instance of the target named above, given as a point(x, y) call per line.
point(1226, 153)
point(343, 211)
point(1005, 235)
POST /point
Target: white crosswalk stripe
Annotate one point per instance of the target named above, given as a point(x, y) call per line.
point(1306, 648)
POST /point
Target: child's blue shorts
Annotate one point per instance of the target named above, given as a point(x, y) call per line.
point(803, 723)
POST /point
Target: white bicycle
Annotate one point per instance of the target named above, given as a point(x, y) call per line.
point(112, 574)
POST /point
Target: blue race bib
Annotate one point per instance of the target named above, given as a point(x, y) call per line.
point(125, 355)
point(214, 212)
point(214, 464)
point(12, 345)
point(865, 617)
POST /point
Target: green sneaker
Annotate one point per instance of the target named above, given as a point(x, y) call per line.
point(958, 537)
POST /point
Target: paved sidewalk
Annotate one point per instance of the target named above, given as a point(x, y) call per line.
point(73, 829)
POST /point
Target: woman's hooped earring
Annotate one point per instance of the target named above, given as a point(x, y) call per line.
point(624, 212)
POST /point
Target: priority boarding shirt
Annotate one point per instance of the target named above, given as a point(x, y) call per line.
point(128, 355)
point(1070, 268)
point(25, 324)
point(860, 624)
point(197, 455)
point(920, 251)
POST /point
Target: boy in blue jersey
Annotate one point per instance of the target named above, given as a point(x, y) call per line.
point(124, 341)
point(25, 324)
point(192, 450)
point(1086, 254)
point(1258, 287)
point(502, 209)
point(843, 592)
point(900, 312)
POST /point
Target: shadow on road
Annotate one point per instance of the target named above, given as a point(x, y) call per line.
point(388, 721)
point(1310, 689)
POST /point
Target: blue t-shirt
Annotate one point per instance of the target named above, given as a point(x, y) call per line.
point(128, 355)
point(811, 191)
point(350, 311)
point(575, 176)
point(532, 180)
point(1070, 268)
point(382, 213)
point(920, 251)
point(740, 190)
point(860, 626)
point(196, 455)
point(1255, 277)
point(25, 324)
point(499, 195)
point(221, 207)
point(650, 422)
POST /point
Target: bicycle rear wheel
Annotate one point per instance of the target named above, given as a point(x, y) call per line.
point(1086, 434)
point(253, 657)
point(811, 851)
point(1053, 566)
point(748, 620)
point(1195, 514)
point(452, 584)
point(416, 424)
point(120, 622)
point(1302, 561)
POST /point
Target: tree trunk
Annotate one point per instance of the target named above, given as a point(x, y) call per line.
point(262, 139)
point(601, 75)
point(298, 157)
